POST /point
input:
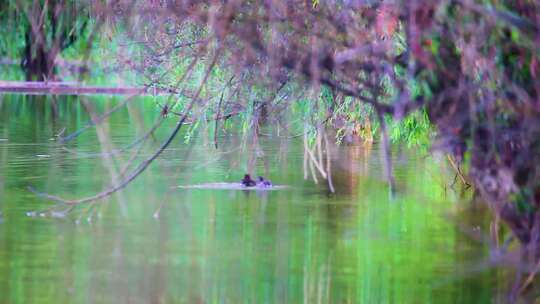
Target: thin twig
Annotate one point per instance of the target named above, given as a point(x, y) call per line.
point(218, 113)
point(386, 152)
point(328, 164)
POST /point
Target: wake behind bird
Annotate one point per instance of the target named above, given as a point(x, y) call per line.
point(232, 186)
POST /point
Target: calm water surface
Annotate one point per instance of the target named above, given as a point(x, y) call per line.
point(157, 243)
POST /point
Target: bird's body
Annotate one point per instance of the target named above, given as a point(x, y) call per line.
point(248, 182)
point(262, 182)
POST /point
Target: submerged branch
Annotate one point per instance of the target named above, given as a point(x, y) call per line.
point(142, 166)
point(95, 121)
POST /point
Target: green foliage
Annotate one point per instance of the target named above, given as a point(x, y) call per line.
point(11, 31)
point(413, 130)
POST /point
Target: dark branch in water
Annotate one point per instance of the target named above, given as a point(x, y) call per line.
point(137, 143)
point(142, 166)
point(93, 122)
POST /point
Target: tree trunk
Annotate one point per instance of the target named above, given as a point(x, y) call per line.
point(36, 61)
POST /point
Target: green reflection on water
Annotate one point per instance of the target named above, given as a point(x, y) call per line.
point(299, 245)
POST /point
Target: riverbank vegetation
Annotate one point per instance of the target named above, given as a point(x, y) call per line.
point(456, 76)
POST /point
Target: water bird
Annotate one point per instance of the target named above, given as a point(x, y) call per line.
point(262, 182)
point(248, 182)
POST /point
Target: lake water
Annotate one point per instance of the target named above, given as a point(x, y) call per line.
point(157, 243)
